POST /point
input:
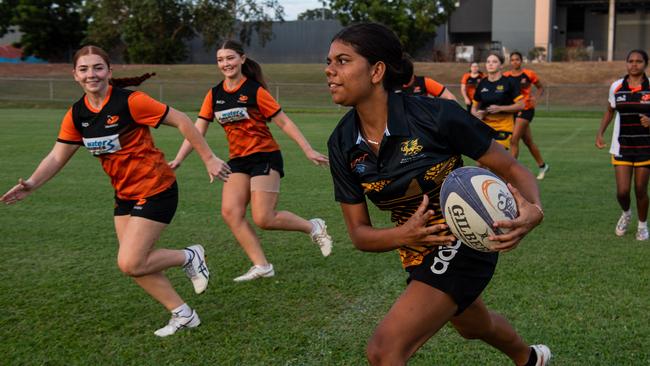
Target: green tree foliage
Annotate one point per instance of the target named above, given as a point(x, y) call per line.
point(155, 31)
point(51, 30)
point(414, 21)
point(317, 14)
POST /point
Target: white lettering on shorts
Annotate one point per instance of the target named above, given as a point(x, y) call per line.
point(443, 257)
point(103, 145)
point(231, 115)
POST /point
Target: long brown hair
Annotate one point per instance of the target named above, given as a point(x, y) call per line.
point(116, 82)
point(249, 68)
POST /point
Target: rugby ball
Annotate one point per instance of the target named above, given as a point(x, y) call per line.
point(472, 199)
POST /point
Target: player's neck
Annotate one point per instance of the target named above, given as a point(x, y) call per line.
point(494, 76)
point(373, 117)
point(635, 80)
point(516, 72)
point(232, 83)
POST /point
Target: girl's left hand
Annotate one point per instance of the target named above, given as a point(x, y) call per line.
point(494, 109)
point(530, 215)
point(645, 120)
point(317, 158)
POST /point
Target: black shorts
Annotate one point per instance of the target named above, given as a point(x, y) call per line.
point(457, 270)
point(160, 207)
point(258, 164)
point(527, 114)
point(631, 160)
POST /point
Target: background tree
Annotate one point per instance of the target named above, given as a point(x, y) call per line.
point(317, 14)
point(414, 21)
point(51, 30)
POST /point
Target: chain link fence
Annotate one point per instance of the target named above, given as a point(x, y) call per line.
point(188, 95)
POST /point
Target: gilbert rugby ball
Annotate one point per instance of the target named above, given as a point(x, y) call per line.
point(472, 199)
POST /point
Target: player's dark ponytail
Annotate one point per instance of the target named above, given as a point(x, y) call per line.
point(377, 43)
point(130, 81)
point(249, 68)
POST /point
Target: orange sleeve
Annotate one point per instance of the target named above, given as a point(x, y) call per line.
point(463, 80)
point(433, 87)
point(146, 110)
point(534, 79)
point(507, 73)
point(68, 134)
point(266, 104)
point(207, 112)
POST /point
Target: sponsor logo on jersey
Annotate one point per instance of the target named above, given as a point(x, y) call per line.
point(231, 115)
point(500, 88)
point(417, 89)
point(111, 120)
point(645, 98)
point(485, 90)
point(358, 160)
point(219, 101)
point(242, 98)
point(85, 124)
point(103, 145)
point(621, 98)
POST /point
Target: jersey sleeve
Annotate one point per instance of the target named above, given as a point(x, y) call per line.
point(477, 94)
point(207, 109)
point(267, 104)
point(463, 80)
point(466, 134)
point(433, 87)
point(68, 133)
point(146, 110)
point(534, 79)
point(347, 189)
point(612, 97)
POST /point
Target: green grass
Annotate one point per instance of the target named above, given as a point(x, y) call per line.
point(571, 284)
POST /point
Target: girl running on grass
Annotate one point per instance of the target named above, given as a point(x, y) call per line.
point(242, 105)
point(113, 124)
point(396, 150)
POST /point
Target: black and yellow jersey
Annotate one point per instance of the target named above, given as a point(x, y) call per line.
point(424, 141)
point(630, 137)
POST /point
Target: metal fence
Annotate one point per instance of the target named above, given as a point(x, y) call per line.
point(188, 95)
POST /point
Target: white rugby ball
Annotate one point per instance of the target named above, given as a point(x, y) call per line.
point(472, 199)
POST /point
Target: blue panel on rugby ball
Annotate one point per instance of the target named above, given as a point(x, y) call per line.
point(472, 199)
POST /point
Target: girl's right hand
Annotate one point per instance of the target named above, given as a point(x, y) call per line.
point(18, 192)
point(416, 231)
point(600, 143)
point(174, 164)
point(217, 168)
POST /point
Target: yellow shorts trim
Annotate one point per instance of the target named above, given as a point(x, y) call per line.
point(629, 163)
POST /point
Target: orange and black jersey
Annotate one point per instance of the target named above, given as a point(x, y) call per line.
point(526, 80)
point(422, 85)
point(424, 141)
point(471, 83)
point(118, 134)
point(633, 138)
point(244, 113)
point(504, 91)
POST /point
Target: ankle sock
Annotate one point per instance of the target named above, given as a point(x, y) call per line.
point(183, 310)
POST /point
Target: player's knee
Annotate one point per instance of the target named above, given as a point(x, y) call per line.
point(130, 267)
point(380, 351)
point(263, 220)
point(231, 215)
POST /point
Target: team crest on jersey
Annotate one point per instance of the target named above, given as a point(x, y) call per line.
point(411, 147)
point(111, 120)
point(242, 98)
point(103, 145)
point(417, 89)
point(231, 115)
point(500, 88)
point(645, 98)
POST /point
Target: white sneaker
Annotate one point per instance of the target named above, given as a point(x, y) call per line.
point(622, 224)
point(256, 272)
point(196, 269)
point(543, 354)
point(642, 233)
point(319, 236)
point(543, 171)
point(177, 323)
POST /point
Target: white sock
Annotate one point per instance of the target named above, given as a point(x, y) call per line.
point(188, 256)
point(183, 310)
point(628, 213)
point(643, 225)
point(314, 227)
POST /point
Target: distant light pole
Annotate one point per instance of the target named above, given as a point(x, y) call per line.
point(610, 30)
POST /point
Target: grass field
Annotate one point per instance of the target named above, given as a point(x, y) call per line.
point(571, 284)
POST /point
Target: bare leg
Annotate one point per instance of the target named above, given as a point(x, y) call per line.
point(234, 199)
point(623, 180)
point(528, 140)
point(409, 324)
point(517, 134)
point(641, 175)
point(477, 322)
point(137, 258)
point(263, 206)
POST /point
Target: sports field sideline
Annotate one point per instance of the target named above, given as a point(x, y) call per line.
point(571, 284)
